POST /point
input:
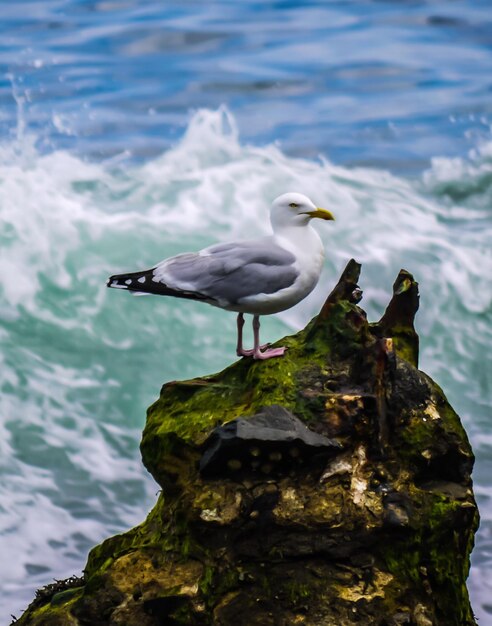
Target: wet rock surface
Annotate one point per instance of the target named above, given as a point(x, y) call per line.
point(328, 487)
point(274, 441)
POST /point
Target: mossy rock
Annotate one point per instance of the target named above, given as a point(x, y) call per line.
point(377, 531)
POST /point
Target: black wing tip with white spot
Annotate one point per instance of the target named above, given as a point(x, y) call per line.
point(143, 283)
point(135, 281)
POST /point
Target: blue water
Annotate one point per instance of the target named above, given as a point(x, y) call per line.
point(130, 131)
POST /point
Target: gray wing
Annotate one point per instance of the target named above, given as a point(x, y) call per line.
point(229, 272)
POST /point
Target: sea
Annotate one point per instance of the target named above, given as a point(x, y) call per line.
point(132, 130)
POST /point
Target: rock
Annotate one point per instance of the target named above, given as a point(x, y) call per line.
point(331, 486)
point(274, 434)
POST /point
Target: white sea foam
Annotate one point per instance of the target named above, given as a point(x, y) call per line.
point(81, 363)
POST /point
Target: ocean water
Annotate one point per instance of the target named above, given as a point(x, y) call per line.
point(133, 130)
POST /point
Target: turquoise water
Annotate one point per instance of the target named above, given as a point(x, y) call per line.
point(131, 132)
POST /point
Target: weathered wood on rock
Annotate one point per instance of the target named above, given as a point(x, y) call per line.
point(346, 289)
point(346, 499)
point(398, 319)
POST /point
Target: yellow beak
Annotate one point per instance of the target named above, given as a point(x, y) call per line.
point(321, 213)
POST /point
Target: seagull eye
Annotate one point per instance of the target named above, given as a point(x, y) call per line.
point(293, 205)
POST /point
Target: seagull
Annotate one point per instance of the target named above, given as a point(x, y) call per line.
point(256, 276)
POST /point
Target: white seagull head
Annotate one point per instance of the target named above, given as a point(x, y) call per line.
point(295, 209)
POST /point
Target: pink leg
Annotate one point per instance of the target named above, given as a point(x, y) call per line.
point(239, 348)
point(240, 351)
point(266, 354)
